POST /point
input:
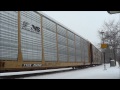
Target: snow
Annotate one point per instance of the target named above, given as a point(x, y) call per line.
point(97, 72)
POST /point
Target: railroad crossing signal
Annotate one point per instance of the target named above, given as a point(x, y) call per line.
point(104, 45)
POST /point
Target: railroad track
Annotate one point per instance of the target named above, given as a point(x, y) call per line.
point(44, 72)
point(32, 74)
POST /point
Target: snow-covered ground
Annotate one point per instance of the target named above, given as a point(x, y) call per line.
point(88, 73)
point(97, 72)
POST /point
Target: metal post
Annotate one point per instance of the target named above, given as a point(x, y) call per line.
point(57, 44)
point(103, 50)
point(20, 58)
point(42, 41)
point(104, 61)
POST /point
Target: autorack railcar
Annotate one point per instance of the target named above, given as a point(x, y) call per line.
point(30, 40)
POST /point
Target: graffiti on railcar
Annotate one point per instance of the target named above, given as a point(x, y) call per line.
point(31, 28)
point(31, 65)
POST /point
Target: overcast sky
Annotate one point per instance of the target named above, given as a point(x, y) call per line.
point(84, 23)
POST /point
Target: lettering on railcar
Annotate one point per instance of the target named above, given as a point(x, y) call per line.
point(31, 65)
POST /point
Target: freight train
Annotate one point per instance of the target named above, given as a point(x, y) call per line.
point(30, 40)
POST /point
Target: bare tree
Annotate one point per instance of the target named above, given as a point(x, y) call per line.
point(111, 31)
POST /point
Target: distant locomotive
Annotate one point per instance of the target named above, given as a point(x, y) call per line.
point(30, 40)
